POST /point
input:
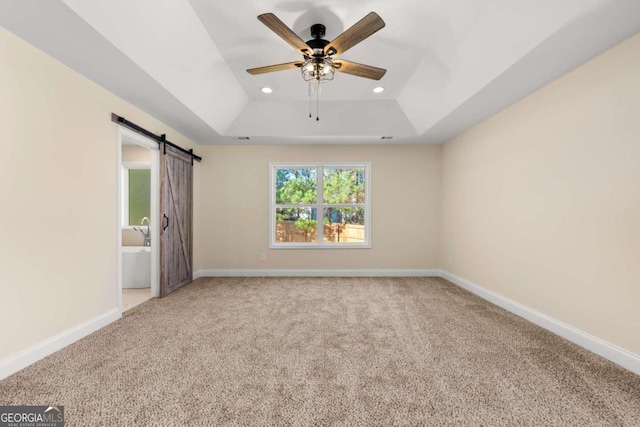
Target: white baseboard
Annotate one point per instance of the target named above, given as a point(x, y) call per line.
point(609, 351)
point(318, 273)
point(39, 351)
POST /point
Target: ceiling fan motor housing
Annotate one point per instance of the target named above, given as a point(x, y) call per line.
point(317, 43)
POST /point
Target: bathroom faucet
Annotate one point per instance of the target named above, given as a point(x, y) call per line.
point(147, 234)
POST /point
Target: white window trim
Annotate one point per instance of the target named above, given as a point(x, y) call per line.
point(319, 244)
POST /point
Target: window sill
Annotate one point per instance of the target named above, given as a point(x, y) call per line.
point(317, 246)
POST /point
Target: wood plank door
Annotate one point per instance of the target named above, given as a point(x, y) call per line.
point(176, 231)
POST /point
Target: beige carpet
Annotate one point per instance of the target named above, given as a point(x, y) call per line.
point(326, 351)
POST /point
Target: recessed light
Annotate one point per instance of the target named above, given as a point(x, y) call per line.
point(386, 137)
point(266, 90)
point(243, 138)
point(378, 89)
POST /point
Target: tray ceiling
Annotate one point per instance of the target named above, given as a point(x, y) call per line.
point(449, 64)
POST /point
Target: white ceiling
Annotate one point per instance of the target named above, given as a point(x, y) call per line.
point(450, 64)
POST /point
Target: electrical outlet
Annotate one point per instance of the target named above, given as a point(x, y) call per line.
point(263, 257)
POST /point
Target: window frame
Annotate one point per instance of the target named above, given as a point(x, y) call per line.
point(319, 205)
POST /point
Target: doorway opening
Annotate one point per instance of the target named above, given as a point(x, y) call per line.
point(138, 219)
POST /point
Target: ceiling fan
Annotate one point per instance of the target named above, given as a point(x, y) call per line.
point(319, 55)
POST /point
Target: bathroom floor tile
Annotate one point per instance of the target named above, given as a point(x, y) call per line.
point(133, 297)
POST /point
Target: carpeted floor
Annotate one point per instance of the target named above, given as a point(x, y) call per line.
point(326, 351)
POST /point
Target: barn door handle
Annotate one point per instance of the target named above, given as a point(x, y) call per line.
point(166, 222)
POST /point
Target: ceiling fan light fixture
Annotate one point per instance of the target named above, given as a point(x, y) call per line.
point(318, 69)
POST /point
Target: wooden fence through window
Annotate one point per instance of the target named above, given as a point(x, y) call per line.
point(287, 232)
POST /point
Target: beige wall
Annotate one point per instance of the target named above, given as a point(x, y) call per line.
point(541, 203)
point(232, 221)
point(135, 154)
point(131, 237)
point(58, 187)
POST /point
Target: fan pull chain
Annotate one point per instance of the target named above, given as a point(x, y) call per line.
point(318, 103)
point(310, 97)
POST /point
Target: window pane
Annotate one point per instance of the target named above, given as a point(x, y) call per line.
point(343, 185)
point(139, 195)
point(296, 186)
point(344, 225)
point(296, 225)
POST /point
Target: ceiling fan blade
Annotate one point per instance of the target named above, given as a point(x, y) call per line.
point(354, 35)
point(279, 27)
point(359, 70)
point(275, 67)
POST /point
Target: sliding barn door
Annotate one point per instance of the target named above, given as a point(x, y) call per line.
point(176, 207)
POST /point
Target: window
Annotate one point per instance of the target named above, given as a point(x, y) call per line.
point(336, 193)
point(136, 194)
